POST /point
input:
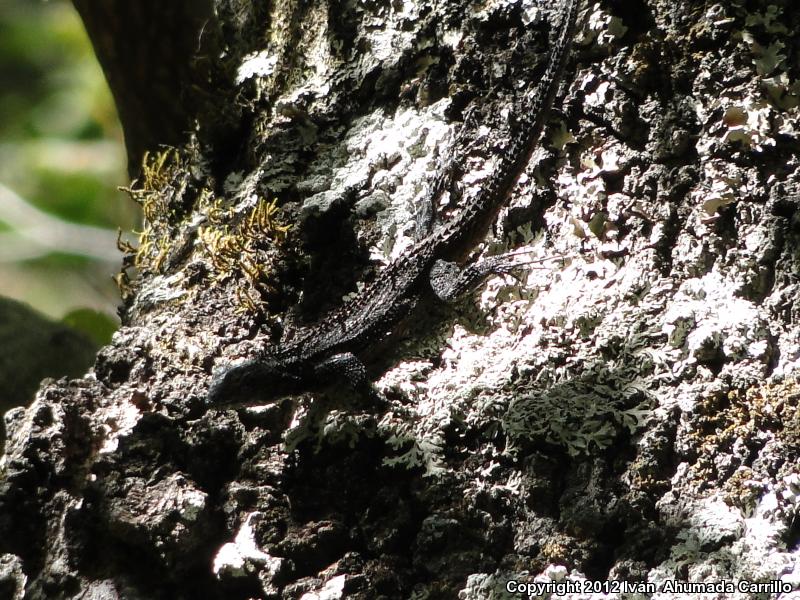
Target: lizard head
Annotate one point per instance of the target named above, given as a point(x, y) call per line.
point(254, 381)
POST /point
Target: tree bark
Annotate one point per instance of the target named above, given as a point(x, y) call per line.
point(156, 57)
point(627, 413)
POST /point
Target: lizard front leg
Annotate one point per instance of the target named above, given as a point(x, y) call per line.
point(346, 368)
point(345, 365)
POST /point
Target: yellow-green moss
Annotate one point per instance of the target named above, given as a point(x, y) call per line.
point(159, 190)
point(239, 247)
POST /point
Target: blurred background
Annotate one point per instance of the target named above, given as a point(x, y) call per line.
point(61, 161)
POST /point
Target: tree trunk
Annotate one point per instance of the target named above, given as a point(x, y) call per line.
point(627, 412)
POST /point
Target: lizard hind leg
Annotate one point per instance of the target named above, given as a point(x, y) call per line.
point(449, 281)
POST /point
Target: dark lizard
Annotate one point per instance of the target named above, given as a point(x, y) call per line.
point(326, 350)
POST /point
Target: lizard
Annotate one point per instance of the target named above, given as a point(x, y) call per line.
point(328, 349)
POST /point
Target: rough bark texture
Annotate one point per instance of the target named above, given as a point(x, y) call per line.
point(629, 414)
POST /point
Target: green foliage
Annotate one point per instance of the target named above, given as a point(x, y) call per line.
point(50, 85)
point(98, 326)
point(68, 193)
